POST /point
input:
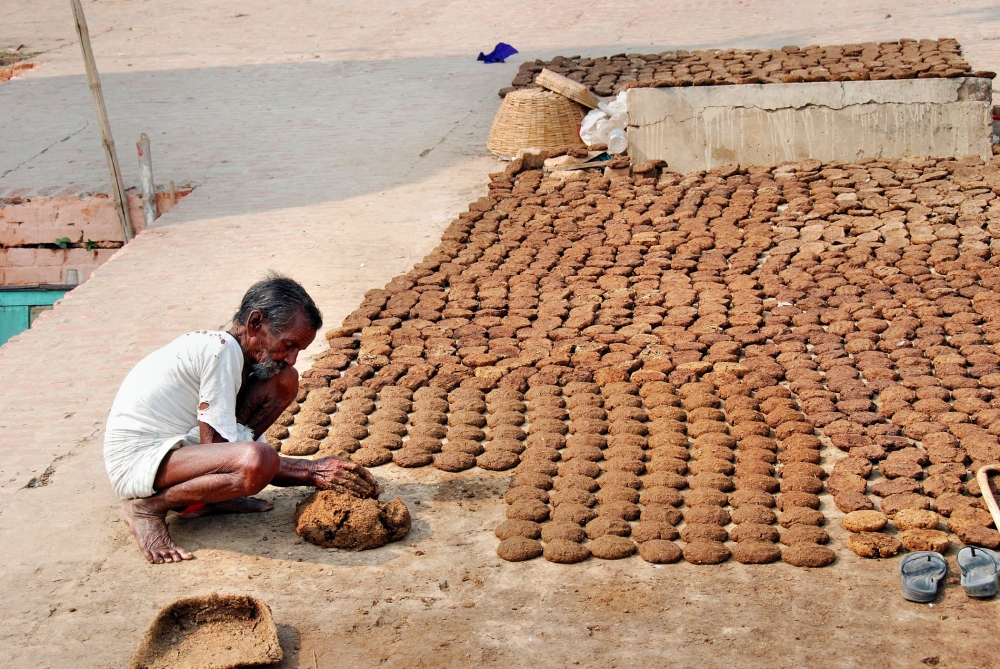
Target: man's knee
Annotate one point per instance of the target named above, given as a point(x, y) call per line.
point(259, 466)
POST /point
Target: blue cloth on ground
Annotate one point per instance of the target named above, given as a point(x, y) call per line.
point(499, 54)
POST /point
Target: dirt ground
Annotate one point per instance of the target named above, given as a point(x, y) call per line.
point(441, 597)
point(77, 593)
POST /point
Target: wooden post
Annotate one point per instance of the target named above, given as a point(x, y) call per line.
point(146, 179)
point(117, 187)
point(173, 194)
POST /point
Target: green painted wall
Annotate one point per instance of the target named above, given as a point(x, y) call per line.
point(19, 308)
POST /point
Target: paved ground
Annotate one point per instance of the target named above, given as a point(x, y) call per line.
point(334, 141)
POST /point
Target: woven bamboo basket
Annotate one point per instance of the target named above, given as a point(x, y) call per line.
point(533, 118)
point(574, 90)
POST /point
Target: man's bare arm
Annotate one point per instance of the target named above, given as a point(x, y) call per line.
point(327, 473)
point(209, 435)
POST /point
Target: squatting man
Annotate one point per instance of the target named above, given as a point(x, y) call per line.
point(186, 428)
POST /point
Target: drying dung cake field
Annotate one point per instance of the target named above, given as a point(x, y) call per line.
point(735, 358)
point(643, 416)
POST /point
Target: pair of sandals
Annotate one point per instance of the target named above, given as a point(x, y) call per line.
point(922, 572)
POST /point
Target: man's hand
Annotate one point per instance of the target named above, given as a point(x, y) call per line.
point(332, 472)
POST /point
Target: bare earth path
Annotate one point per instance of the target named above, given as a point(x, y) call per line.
point(334, 141)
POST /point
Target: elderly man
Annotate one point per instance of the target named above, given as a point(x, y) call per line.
point(184, 428)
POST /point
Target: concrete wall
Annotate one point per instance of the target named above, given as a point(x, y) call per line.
point(701, 127)
point(30, 227)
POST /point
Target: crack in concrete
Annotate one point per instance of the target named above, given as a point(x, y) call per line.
point(43, 479)
point(445, 136)
point(58, 141)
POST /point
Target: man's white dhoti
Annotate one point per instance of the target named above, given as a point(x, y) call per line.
point(193, 379)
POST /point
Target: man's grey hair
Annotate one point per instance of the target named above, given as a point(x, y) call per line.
point(278, 298)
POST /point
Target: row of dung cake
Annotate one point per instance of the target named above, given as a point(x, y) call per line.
point(854, 421)
point(610, 472)
point(904, 59)
point(665, 233)
point(591, 440)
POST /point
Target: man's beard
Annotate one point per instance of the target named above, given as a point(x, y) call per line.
point(265, 370)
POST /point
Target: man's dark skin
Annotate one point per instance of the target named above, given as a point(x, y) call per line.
point(222, 475)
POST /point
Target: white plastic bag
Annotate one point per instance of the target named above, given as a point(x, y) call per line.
point(599, 123)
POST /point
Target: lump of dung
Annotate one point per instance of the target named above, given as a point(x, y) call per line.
point(756, 552)
point(619, 509)
point(519, 549)
point(755, 532)
point(337, 520)
point(465, 432)
point(705, 497)
point(580, 468)
point(565, 482)
point(925, 540)
point(873, 544)
point(454, 461)
point(949, 502)
point(651, 530)
point(800, 515)
point(574, 496)
point(697, 532)
point(849, 502)
point(574, 513)
point(516, 493)
point(754, 513)
point(912, 519)
point(610, 494)
point(407, 457)
point(528, 509)
point(659, 551)
point(562, 551)
point(371, 456)
point(498, 460)
point(976, 535)
point(513, 527)
point(539, 467)
point(809, 555)
point(706, 552)
point(893, 504)
point(531, 480)
point(562, 531)
point(865, 521)
point(299, 445)
point(707, 514)
point(424, 444)
point(604, 525)
point(467, 446)
point(798, 534)
point(970, 515)
point(505, 444)
point(661, 514)
point(751, 497)
point(661, 495)
point(611, 547)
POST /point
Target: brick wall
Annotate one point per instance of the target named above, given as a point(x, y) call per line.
point(28, 266)
point(29, 228)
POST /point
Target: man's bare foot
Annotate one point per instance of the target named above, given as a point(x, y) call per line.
point(236, 505)
point(151, 533)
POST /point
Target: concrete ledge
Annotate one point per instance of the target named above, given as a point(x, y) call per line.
point(698, 128)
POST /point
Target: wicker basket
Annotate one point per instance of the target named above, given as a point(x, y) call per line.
point(533, 118)
point(575, 91)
